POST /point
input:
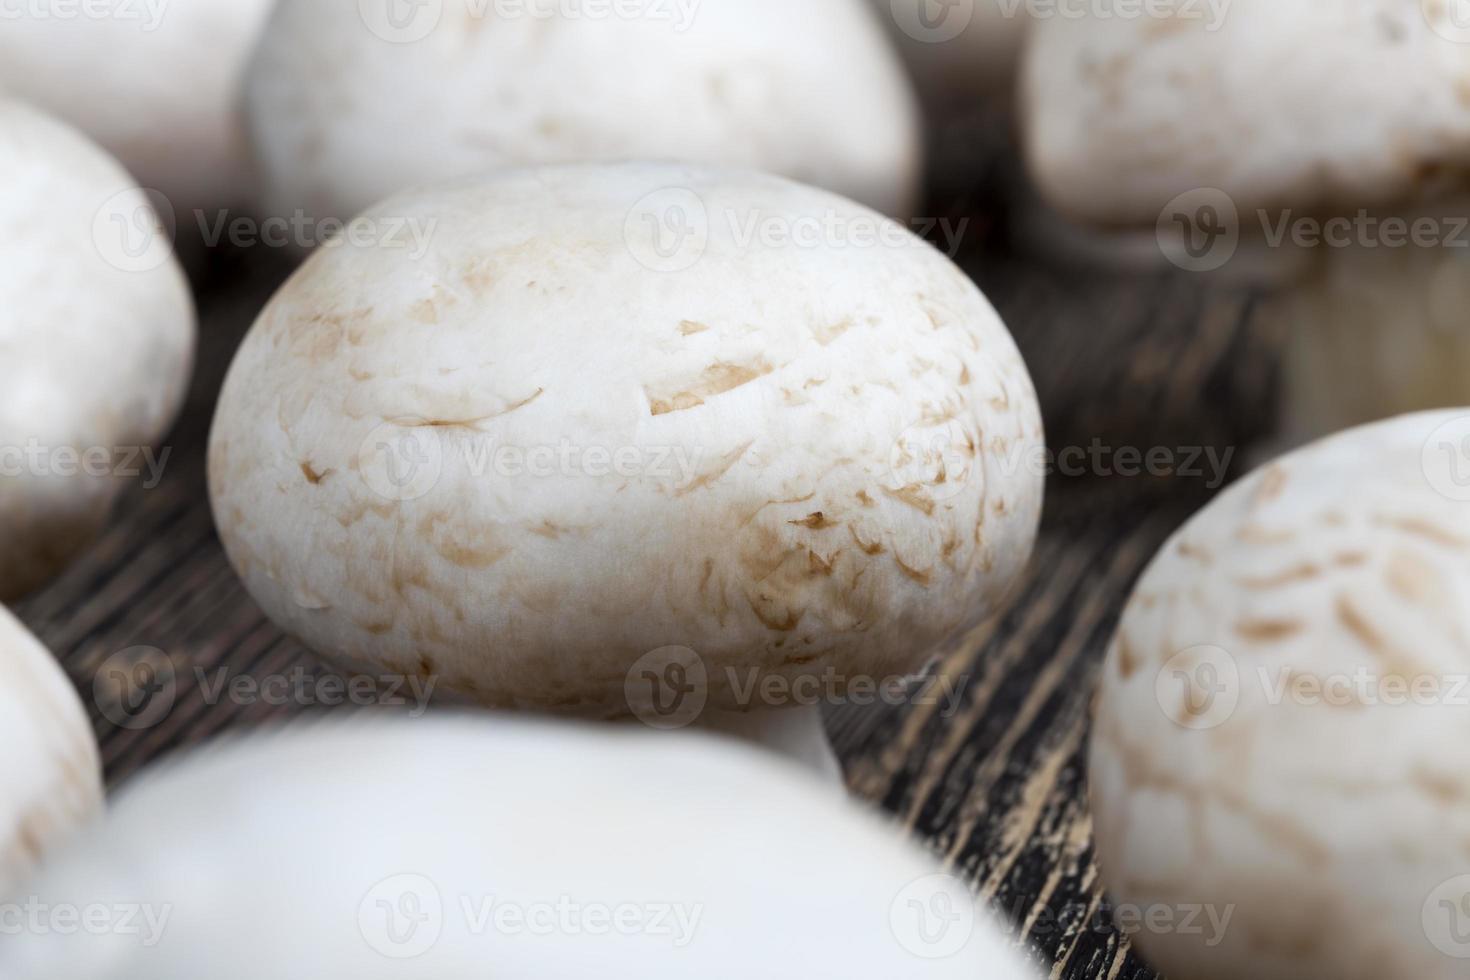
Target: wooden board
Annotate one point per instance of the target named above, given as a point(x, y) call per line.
point(995, 785)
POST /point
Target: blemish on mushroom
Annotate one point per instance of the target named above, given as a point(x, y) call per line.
point(816, 522)
point(1268, 630)
point(691, 327)
point(717, 379)
point(914, 496)
point(312, 475)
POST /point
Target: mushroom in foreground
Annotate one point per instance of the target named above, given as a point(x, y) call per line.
point(347, 108)
point(96, 336)
point(51, 772)
point(1278, 752)
point(644, 440)
point(464, 848)
point(1219, 133)
point(156, 84)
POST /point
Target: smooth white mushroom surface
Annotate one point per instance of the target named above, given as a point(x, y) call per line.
point(157, 84)
point(621, 422)
point(1278, 761)
point(50, 772)
point(465, 848)
point(348, 106)
point(1124, 113)
point(96, 337)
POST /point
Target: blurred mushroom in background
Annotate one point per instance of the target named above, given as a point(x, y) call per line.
point(156, 84)
point(1217, 130)
point(347, 106)
point(96, 339)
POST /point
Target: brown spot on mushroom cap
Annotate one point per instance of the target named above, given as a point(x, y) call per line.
point(717, 379)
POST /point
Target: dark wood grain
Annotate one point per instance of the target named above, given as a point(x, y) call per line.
point(995, 786)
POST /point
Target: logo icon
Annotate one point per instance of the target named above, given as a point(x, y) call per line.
point(668, 230)
point(402, 917)
point(934, 917)
point(134, 229)
point(1199, 231)
point(938, 456)
point(1199, 688)
point(1445, 459)
point(933, 21)
point(401, 21)
point(1450, 19)
point(668, 688)
point(401, 461)
point(135, 688)
point(1447, 918)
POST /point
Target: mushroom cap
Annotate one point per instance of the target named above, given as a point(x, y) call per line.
point(409, 849)
point(1316, 104)
point(97, 340)
point(1327, 827)
point(51, 770)
point(342, 117)
point(537, 453)
point(156, 84)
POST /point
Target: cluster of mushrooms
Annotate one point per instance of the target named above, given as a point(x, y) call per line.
point(781, 440)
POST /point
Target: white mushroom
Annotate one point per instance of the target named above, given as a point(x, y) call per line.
point(348, 106)
point(466, 848)
point(96, 336)
point(1279, 752)
point(1216, 128)
point(622, 434)
point(157, 84)
point(51, 774)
